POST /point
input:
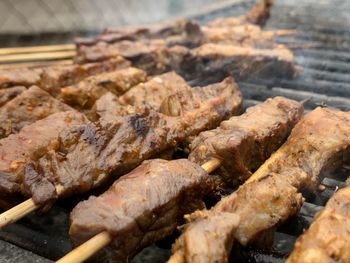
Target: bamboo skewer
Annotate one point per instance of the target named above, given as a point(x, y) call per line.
point(21, 210)
point(37, 56)
point(35, 49)
point(36, 64)
point(94, 244)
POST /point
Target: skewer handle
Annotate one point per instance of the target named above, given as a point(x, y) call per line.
point(35, 49)
point(87, 249)
point(17, 212)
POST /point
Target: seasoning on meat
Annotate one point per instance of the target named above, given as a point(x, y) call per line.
point(10, 93)
point(84, 94)
point(31, 105)
point(328, 237)
point(271, 195)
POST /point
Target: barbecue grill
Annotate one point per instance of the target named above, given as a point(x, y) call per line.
point(321, 47)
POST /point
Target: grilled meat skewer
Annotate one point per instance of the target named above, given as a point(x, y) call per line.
point(53, 77)
point(328, 237)
point(271, 194)
point(84, 156)
point(141, 221)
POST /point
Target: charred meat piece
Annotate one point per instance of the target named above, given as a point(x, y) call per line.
point(244, 142)
point(84, 94)
point(182, 31)
point(86, 156)
point(316, 144)
point(31, 143)
point(54, 77)
point(328, 237)
point(31, 105)
point(143, 206)
point(154, 91)
point(10, 93)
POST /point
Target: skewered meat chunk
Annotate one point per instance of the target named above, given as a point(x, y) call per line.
point(31, 105)
point(127, 249)
point(244, 142)
point(84, 94)
point(154, 91)
point(328, 237)
point(54, 77)
point(10, 93)
point(241, 62)
point(145, 204)
point(271, 194)
point(182, 31)
point(31, 143)
point(87, 155)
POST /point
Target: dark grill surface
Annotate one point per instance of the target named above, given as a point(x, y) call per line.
point(321, 45)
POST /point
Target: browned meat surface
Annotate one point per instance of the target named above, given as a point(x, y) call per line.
point(328, 238)
point(32, 142)
point(19, 77)
point(245, 142)
point(154, 91)
point(84, 94)
point(241, 62)
point(259, 13)
point(31, 105)
point(243, 35)
point(126, 48)
point(181, 31)
point(10, 93)
point(108, 107)
point(271, 195)
point(54, 77)
point(87, 155)
point(141, 207)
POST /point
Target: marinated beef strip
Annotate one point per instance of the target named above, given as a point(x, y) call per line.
point(31, 105)
point(54, 77)
point(328, 237)
point(10, 93)
point(317, 144)
point(244, 142)
point(86, 156)
point(141, 207)
point(84, 94)
point(31, 143)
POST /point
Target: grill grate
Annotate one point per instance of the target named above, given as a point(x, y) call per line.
point(325, 57)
